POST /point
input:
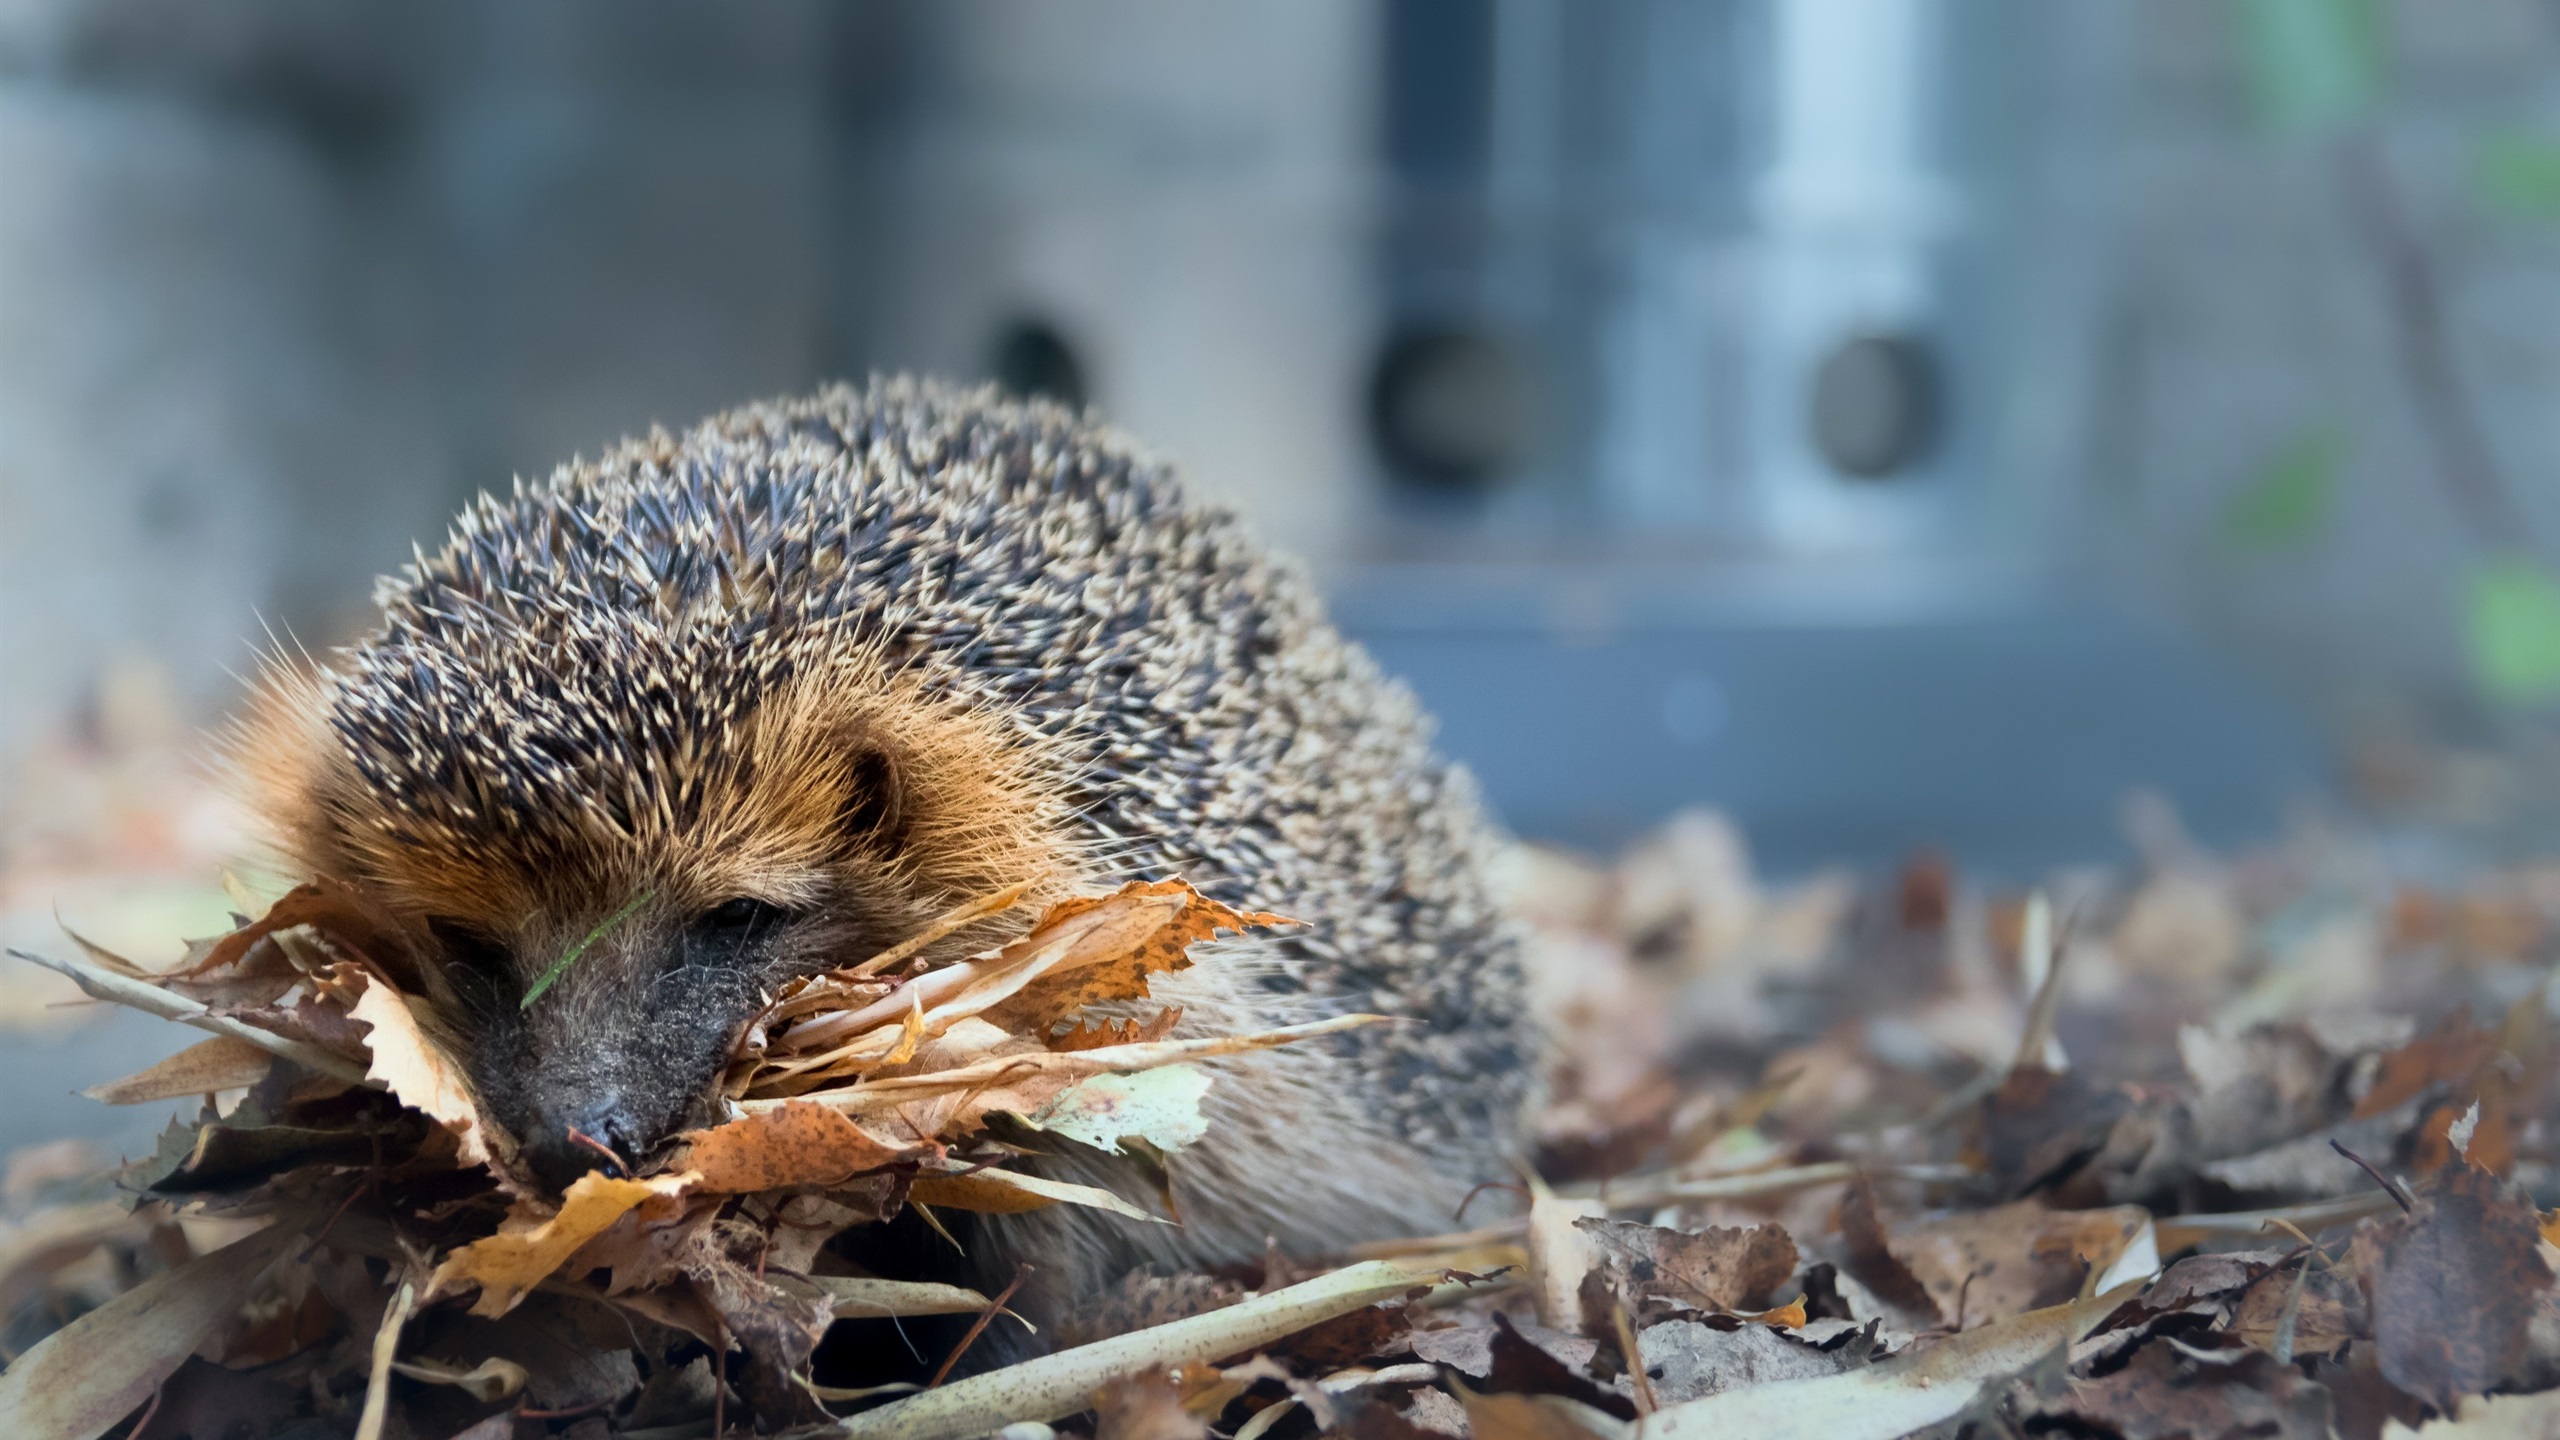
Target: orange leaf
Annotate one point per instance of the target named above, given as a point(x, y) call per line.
point(1118, 1032)
point(323, 904)
point(799, 1144)
point(1789, 1316)
point(1163, 949)
point(2450, 1052)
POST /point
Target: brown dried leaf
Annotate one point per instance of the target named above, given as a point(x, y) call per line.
point(1870, 1259)
point(2443, 1056)
point(778, 1320)
point(2167, 1392)
point(84, 1377)
point(2042, 1125)
point(2329, 1313)
point(1718, 1268)
point(1345, 1340)
point(2453, 1286)
point(1522, 1367)
point(1987, 1264)
point(1133, 951)
point(220, 1063)
point(799, 1144)
point(1523, 1417)
point(203, 1398)
point(335, 910)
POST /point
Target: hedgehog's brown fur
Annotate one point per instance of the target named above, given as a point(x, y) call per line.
point(863, 656)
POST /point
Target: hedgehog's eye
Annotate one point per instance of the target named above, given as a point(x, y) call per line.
point(467, 946)
point(741, 918)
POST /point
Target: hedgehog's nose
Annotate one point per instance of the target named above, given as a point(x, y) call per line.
point(569, 1141)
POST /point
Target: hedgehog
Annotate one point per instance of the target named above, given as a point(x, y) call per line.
point(752, 703)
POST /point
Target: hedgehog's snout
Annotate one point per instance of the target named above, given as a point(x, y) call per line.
point(567, 1141)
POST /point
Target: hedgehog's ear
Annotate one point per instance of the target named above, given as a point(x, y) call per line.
point(874, 813)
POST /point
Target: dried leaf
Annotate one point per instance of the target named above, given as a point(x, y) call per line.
point(1154, 949)
point(799, 1144)
point(2488, 1417)
point(220, 1063)
point(2015, 1257)
point(1871, 1262)
point(2449, 1053)
point(2041, 1125)
point(1094, 1034)
point(1534, 1417)
point(334, 909)
point(99, 1368)
point(1518, 1364)
point(1687, 1360)
point(2453, 1286)
point(417, 1071)
point(1346, 1340)
point(1718, 1268)
point(507, 1265)
point(203, 1398)
point(1890, 1399)
point(2166, 1393)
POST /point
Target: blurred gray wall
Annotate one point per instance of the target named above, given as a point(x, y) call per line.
point(282, 282)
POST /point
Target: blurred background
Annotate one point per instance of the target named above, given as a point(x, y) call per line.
point(1894, 423)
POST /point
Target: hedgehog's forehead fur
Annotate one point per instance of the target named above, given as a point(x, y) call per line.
point(655, 672)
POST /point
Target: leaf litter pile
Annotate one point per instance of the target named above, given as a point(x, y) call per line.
point(2198, 1148)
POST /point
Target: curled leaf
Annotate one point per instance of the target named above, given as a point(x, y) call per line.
point(507, 1265)
point(416, 1070)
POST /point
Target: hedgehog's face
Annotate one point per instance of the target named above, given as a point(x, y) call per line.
point(596, 1022)
point(595, 932)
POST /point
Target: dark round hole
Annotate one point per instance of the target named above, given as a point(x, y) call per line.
point(1876, 403)
point(1451, 408)
point(1033, 359)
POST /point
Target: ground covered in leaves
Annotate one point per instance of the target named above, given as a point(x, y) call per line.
point(2204, 1147)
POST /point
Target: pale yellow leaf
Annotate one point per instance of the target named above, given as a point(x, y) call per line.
point(510, 1263)
point(417, 1072)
